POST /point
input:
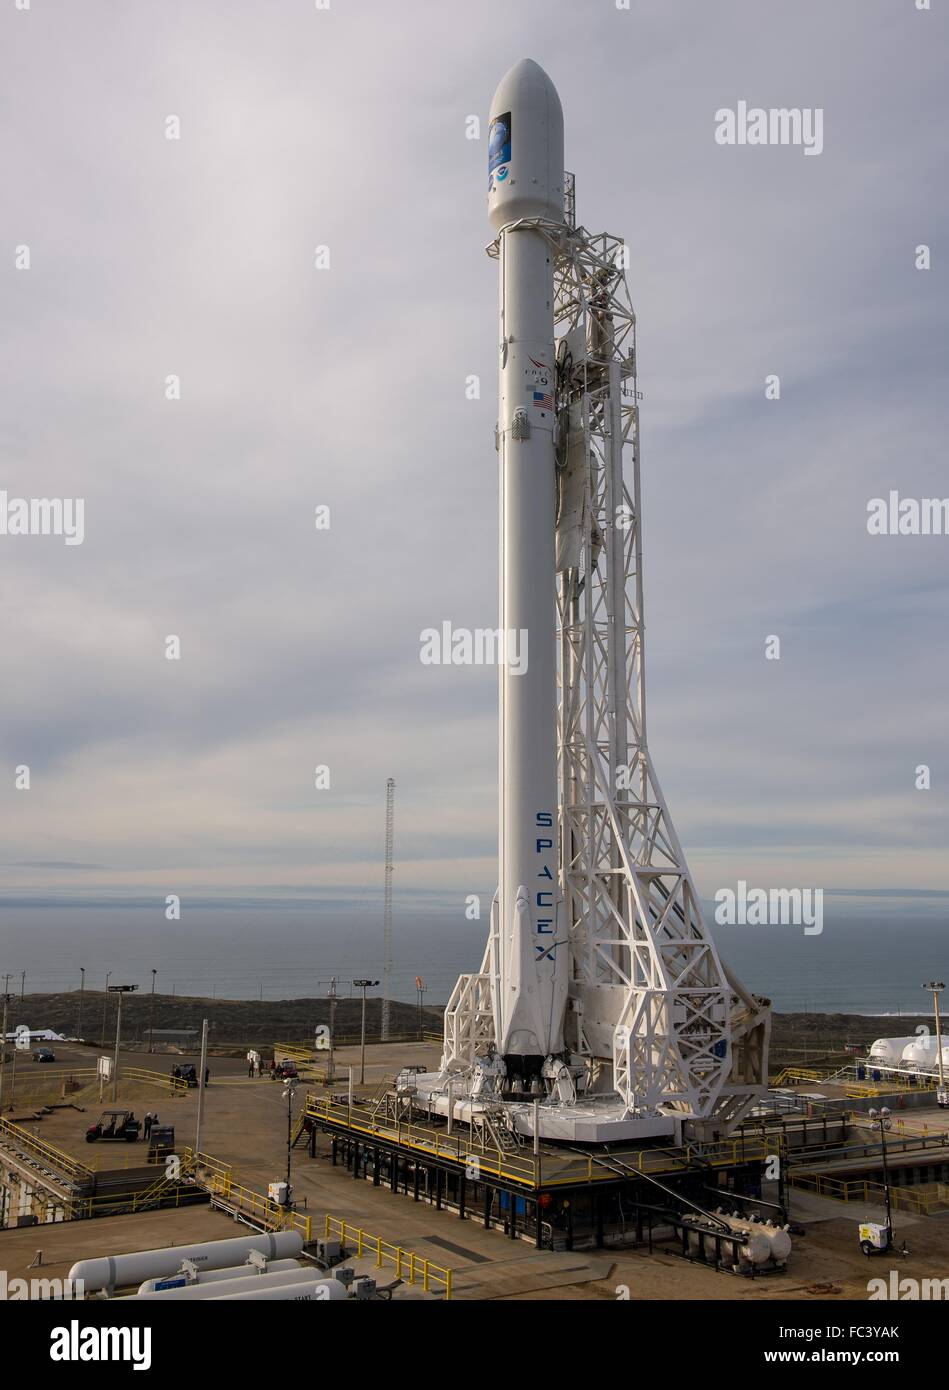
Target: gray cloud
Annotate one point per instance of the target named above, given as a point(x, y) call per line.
point(346, 387)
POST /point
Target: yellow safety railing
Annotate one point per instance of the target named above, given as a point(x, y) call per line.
point(437, 1143)
point(54, 1074)
point(47, 1207)
point(293, 1052)
point(903, 1123)
point(164, 1080)
point(854, 1090)
point(58, 1159)
point(549, 1169)
point(408, 1266)
point(218, 1178)
point(870, 1192)
point(790, 1074)
point(372, 1039)
point(37, 1083)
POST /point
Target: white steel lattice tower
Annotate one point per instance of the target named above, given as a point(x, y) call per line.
point(604, 998)
point(387, 911)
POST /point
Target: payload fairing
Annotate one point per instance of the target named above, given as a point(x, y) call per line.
point(601, 1010)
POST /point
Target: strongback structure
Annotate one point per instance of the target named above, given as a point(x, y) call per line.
point(601, 1010)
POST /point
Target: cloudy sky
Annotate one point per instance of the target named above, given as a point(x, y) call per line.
point(345, 387)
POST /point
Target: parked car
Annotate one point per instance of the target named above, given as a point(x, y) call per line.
point(186, 1072)
point(44, 1054)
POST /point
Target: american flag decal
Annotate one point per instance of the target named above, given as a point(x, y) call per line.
point(542, 401)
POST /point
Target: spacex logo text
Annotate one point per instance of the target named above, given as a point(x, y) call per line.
point(544, 897)
point(75, 1343)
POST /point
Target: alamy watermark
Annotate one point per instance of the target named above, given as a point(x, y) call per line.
point(43, 516)
point(480, 646)
point(754, 125)
point(19, 1290)
point(771, 907)
point(906, 1289)
point(894, 515)
point(76, 1343)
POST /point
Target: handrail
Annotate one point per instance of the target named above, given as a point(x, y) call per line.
point(408, 1265)
point(219, 1180)
point(799, 1074)
point(867, 1190)
point(58, 1158)
point(118, 1204)
point(549, 1170)
point(153, 1078)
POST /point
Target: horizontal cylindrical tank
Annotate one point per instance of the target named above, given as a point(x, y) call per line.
point(755, 1249)
point(214, 1276)
point(886, 1052)
point(318, 1291)
point(118, 1271)
point(251, 1282)
point(779, 1241)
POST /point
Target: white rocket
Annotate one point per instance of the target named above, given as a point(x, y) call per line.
point(601, 1011)
point(526, 184)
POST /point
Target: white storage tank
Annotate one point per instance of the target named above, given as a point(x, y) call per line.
point(318, 1291)
point(921, 1053)
point(756, 1249)
point(886, 1052)
point(252, 1283)
point(214, 1276)
point(119, 1271)
point(779, 1242)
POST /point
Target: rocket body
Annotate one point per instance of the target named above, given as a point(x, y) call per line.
point(525, 180)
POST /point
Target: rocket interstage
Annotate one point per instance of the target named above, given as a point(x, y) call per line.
point(525, 180)
point(601, 1010)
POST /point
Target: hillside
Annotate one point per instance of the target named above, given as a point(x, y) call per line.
point(797, 1038)
point(230, 1020)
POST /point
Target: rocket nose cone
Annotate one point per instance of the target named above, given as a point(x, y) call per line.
point(525, 147)
point(525, 80)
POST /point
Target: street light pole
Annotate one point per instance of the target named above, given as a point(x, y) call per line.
point(942, 1095)
point(202, 1068)
point(291, 1086)
point(363, 985)
point(883, 1118)
point(82, 987)
point(119, 990)
point(420, 986)
point(105, 1000)
point(151, 1015)
point(3, 1046)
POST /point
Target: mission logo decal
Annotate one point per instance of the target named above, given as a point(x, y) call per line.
point(499, 149)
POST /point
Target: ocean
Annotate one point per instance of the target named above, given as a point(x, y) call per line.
point(872, 956)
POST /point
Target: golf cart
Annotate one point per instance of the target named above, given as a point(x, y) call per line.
point(114, 1125)
point(285, 1070)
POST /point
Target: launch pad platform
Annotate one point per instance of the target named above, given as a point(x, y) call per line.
point(553, 1194)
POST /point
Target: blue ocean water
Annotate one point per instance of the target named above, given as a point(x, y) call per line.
point(871, 957)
